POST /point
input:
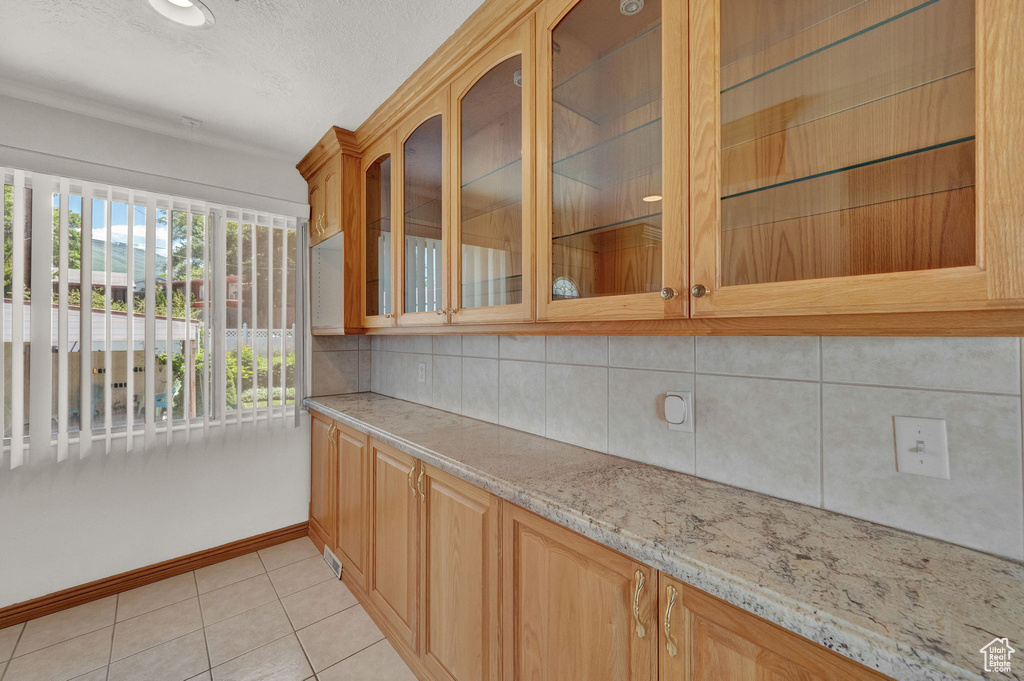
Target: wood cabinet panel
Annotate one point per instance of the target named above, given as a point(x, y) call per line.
point(459, 552)
point(395, 526)
point(568, 606)
point(353, 487)
point(321, 496)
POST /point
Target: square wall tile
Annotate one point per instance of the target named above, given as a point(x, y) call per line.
point(335, 373)
point(592, 350)
point(764, 356)
point(365, 370)
point(665, 353)
point(975, 364)
point(759, 434)
point(420, 344)
point(577, 405)
point(480, 346)
point(335, 343)
point(447, 345)
point(980, 506)
point(403, 377)
point(378, 343)
point(378, 372)
point(530, 348)
point(365, 342)
point(447, 383)
point(521, 396)
point(637, 428)
point(480, 387)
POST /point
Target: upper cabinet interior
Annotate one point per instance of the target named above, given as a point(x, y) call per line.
point(378, 303)
point(839, 139)
point(492, 261)
point(612, 208)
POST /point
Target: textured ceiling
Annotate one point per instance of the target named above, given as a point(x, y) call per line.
point(270, 75)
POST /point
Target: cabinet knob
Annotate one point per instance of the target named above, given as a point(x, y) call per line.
point(668, 293)
point(440, 311)
point(388, 315)
point(452, 310)
point(699, 290)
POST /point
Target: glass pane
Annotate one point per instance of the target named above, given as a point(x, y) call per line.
point(423, 211)
point(606, 151)
point(847, 142)
point(491, 190)
point(378, 237)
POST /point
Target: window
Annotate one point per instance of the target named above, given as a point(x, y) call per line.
point(140, 316)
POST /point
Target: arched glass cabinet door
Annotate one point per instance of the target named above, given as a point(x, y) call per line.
point(423, 248)
point(378, 241)
point(492, 262)
point(612, 134)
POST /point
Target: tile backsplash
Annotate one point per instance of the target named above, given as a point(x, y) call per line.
point(805, 419)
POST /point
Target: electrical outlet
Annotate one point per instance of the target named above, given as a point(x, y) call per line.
point(421, 370)
point(679, 411)
point(921, 447)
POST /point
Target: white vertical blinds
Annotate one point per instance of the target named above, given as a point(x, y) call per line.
point(107, 283)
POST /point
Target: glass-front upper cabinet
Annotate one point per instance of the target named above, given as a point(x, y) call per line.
point(378, 242)
point(492, 256)
point(424, 225)
point(836, 156)
point(612, 126)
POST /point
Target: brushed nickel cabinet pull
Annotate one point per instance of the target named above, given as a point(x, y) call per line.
point(641, 630)
point(670, 644)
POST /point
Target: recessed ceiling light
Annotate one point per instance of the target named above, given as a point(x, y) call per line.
point(191, 13)
point(652, 198)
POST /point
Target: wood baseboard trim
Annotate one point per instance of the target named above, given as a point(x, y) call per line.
point(101, 588)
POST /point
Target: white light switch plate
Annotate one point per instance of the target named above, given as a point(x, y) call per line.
point(921, 447)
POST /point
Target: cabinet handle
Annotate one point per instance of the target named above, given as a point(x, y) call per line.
point(670, 644)
point(412, 487)
point(668, 293)
point(419, 484)
point(641, 630)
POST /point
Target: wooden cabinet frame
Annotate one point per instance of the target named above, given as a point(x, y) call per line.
point(352, 499)
point(637, 306)
point(518, 42)
point(384, 147)
point(323, 467)
point(439, 104)
point(997, 281)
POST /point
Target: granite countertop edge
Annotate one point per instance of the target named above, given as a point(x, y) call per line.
point(889, 657)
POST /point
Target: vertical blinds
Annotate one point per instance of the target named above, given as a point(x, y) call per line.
point(133, 319)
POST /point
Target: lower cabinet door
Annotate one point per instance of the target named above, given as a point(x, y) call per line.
point(459, 547)
point(573, 610)
point(395, 507)
point(321, 499)
point(705, 639)
point(353, 490)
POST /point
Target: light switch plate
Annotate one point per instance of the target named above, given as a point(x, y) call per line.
point(921, 447)
point(687, 425)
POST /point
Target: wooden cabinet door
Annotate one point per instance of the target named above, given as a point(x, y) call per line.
point(824, 178)
point(612, 203)
point(422, 182)
point(394, 572)
point(331, 186)
point(353, 502)
point(573, 610)
point(321, 493)
point(459, 557)
point(492, 274)
point(715, 641)
point(377, 290)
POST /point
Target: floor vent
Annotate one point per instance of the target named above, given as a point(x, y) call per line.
point(332, 562)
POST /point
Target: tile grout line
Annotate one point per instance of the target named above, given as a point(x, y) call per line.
point(381, 639)
point(821, 423)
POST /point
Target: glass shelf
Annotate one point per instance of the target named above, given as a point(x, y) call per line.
point(371, 226)
point(921, 172)
point(584, 238)
point(632, 154)
point(428, 213)
point(491, 281)
point(493, 190)
point(619, 82)
point(767, 31)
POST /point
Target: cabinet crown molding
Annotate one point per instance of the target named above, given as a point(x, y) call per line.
point(336, 140)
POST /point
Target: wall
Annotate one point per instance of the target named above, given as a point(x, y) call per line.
point(48, 140)
point(805, 419)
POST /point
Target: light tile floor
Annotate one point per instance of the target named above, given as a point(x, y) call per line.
point(275, 615)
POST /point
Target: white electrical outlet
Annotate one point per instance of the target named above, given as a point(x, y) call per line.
point(679, 411)
point(921, 447)
point(421, 370)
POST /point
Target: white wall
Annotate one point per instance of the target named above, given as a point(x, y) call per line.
point(66, 524)
point(49, 140)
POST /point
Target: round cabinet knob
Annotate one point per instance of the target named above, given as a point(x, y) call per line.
point(452, 310)
point(440, 311)
point(668, 293)
point(699, 290)
point(388, 315)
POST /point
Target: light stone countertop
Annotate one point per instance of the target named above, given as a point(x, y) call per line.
point(911, 607)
